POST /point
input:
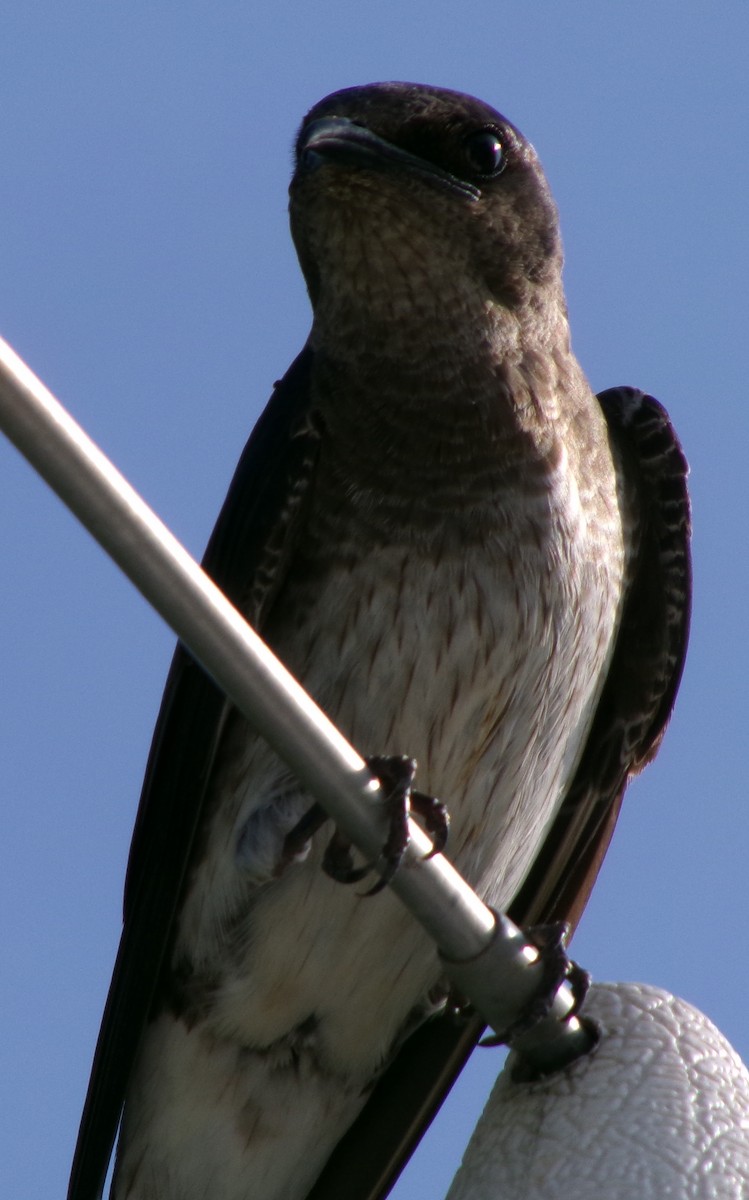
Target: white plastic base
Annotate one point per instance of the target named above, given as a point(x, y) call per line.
point(659, 1110)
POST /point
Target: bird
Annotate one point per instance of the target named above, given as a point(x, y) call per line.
point(470, 561)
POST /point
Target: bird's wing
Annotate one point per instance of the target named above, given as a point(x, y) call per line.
point(246, 557)
point(630, 721)
point(646, 668)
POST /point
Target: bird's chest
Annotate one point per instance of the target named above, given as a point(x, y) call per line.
point(415, 654)
point(478, 658)
point(482, 659)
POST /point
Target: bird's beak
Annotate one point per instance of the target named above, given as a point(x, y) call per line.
point(340, 140)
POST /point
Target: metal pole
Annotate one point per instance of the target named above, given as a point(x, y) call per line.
point(463, 928)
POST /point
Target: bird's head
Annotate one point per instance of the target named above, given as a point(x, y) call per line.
point(411, 197)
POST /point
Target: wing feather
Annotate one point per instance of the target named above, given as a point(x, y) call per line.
point(246, 557)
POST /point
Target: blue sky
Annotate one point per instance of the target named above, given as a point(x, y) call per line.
point(148, 277)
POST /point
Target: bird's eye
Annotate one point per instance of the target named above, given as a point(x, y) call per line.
point(485, 152)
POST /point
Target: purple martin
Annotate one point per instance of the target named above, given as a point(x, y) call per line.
point(467, 558)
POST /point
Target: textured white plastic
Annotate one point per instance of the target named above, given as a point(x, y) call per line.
point(659, 1111)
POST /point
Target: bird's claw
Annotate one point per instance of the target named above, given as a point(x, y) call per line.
point(396, 775)
point(338, 863)
point(550, 941)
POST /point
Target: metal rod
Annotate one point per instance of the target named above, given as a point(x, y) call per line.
point(256, 682)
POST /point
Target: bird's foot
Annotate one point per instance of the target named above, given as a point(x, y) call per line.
point(457, 1008)
point(550, 941)
point(298, 839)
point(396, 774)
